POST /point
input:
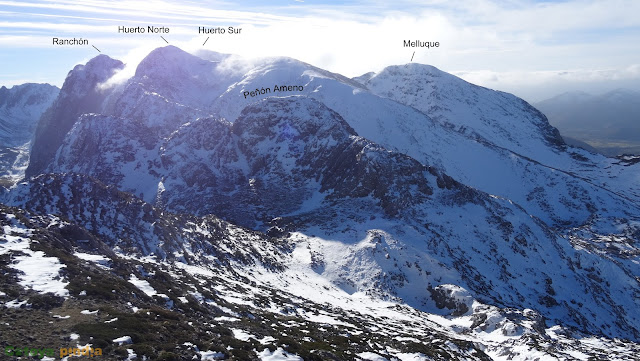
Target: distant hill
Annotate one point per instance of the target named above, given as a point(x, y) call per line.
point(580, 144)
point(609, 122)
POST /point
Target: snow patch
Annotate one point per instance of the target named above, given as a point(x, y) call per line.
point(211, 355)
point(278, 355)
point(371, 356)
point(241, 334)
point(123, 340)
point(15, 304)
point(143, 285)
point(99, 260)
point(39, 272)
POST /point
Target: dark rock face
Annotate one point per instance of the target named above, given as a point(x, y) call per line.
point(277, 154)
point(444, 298)
point(79, 95)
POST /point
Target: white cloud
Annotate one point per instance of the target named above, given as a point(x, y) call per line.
point(131, 60)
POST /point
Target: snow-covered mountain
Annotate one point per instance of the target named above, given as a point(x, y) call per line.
point(20, 109)
point(403, 196)
point(487, 115)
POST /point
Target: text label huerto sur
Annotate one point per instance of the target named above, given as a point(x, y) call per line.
point(219, 30)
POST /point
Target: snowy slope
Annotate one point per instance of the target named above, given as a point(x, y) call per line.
point(223, 310)
point(37, 271)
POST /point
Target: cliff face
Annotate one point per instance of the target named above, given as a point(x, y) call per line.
point(79, 95)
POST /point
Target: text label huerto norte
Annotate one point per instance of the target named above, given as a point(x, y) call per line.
point(421, 44)
point(74, 41)
point(142, 30)
point(219, 30)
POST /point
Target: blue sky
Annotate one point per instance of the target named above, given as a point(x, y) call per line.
point(534, 49)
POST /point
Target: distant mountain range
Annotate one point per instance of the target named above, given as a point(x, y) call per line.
point(20, 109)
point(610, 123)
point(199, 211)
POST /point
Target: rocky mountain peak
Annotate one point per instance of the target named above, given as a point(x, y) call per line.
point(164, 62)
point(294, 118)
point(79, 95)
point(84, 78)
